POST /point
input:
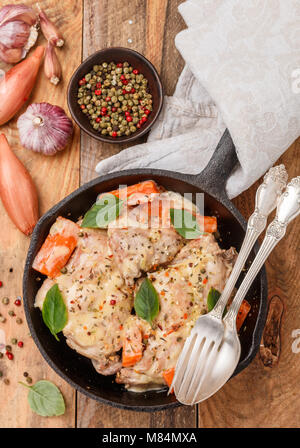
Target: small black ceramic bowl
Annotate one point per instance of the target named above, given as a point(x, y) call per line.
point(116, 54)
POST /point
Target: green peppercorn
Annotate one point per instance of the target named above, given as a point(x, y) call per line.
point(14, 341)
point(8, 348)
point(29, 380)
point(5, 300)
point(6, 381)
point(11, 313)
point(19, 321)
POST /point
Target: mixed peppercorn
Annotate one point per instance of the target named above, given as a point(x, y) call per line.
point(116, 99)
point(8, 349)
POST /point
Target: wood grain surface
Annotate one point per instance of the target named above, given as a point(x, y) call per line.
point(55, 177)
point(259, 396)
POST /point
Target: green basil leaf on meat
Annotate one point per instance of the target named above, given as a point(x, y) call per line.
point(212, 298)
point(146, 302)
point(45, 399)
point(106, 209)
point(54, 311)
point(185, 223)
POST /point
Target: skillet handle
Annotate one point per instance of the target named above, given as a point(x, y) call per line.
point(214, 176)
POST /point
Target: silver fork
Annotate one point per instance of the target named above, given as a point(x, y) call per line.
point(219, 371)
point(201, 346)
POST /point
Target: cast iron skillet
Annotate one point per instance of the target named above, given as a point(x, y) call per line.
point(78, 370)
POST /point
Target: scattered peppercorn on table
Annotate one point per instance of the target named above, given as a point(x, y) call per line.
point(259, 396)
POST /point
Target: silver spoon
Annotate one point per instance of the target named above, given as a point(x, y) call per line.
point(209, 329)
point(221, 366)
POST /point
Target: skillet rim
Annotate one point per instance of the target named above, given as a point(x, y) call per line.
point(193, 180)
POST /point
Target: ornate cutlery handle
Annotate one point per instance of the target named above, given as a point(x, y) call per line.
point(265, 201)
point(287, 210)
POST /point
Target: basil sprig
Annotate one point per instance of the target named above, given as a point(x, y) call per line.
point(185, 223)
point(212, 298)
point(146, 302)
point(54, 311)
point(106, 209)
point(45, 398)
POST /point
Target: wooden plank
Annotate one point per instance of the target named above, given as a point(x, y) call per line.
point(106, 24)
point(154, 26)
point(55, 177)
point(260, 396)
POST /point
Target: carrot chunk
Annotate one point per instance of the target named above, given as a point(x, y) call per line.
point(57, 248)
point(168, 376)
point(207, 223)
point(242, 314)
point(146, 187)
point(132, 347)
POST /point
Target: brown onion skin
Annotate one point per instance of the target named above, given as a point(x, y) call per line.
point(17, 84)
point(17, 190)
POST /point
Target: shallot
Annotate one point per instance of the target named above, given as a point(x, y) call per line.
point(44, 128)
point(17, 190)
point(18, 32)
point(17, 84)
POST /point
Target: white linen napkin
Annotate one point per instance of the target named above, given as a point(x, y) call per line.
point(242, 72)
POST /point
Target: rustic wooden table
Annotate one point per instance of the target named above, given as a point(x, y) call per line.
point(259, 396)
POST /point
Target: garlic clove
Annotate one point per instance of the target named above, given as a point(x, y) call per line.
point(14, 34)
point(52, 67)
point(10, 55)
point(18, 12)
point(50, 31)
point(18, 29)
point(44, 128)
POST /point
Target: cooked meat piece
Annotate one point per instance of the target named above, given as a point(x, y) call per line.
point(142, 238)
point(107, 365)
point(140, 250)
point(161, 353)
point(183, 288)
point(57, 248)
point(97, 299)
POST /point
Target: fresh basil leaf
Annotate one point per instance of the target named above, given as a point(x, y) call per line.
point(146, 302)
point(106, 209)
point(89, 219)
point(212, 298)
point(185, 223)
point(45, 399)
point(54, 311)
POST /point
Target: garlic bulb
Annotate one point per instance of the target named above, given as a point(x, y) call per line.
point(18, 32)
point(44, 128)
point(52, 67)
